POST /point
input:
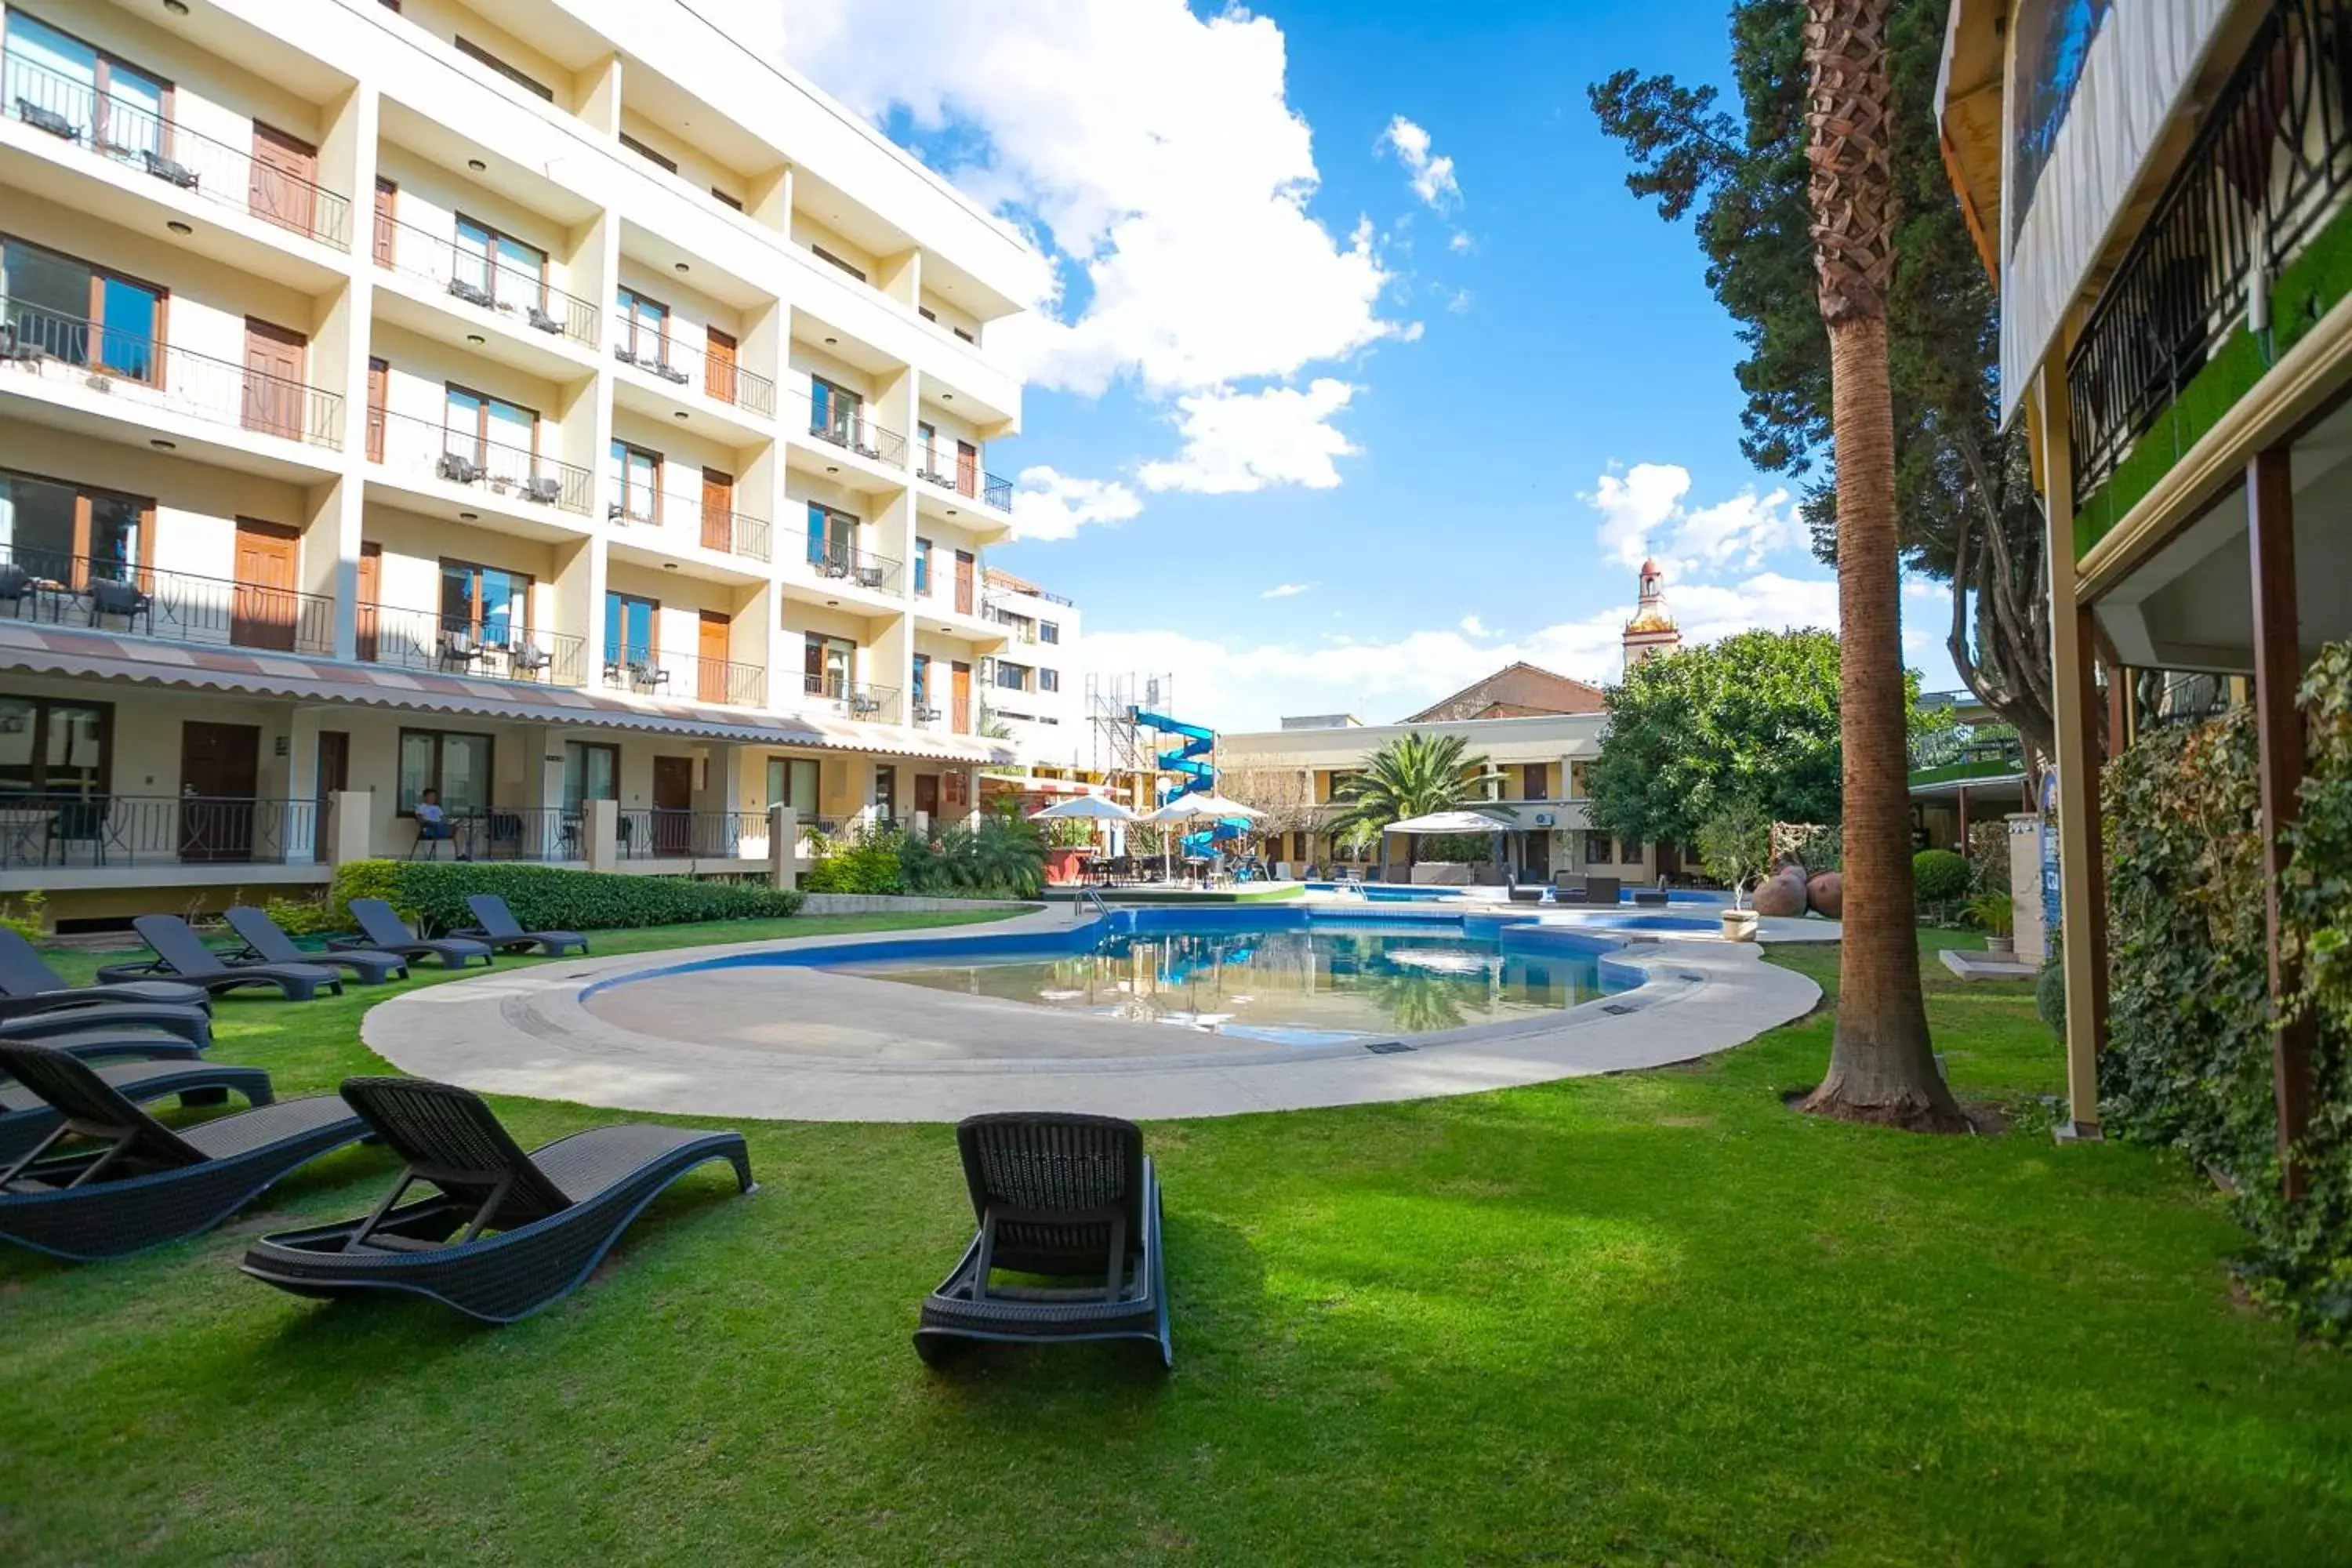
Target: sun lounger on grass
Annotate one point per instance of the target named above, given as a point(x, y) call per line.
point(25, 1117)
point(503, 931)
point(28, 986)
point(382, 928)
point(265, 943)
point(179, 951)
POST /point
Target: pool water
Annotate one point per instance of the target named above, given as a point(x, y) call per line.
point(1305, 985)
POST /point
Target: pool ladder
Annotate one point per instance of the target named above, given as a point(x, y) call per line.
point(1089, 899)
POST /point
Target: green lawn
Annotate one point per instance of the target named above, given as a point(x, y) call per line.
point(1649, 1319)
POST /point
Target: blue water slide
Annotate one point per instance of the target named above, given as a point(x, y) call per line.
point(1188, 761)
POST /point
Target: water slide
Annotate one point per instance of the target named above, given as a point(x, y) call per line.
point(1188, 761)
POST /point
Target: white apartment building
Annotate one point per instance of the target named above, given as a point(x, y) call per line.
point(1033, 683)
point(539, 401)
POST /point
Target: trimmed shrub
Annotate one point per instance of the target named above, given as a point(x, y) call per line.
point(1941, 876)
point(298, 918)
point(868, 862)
point(2049, 994)
point(433, 894)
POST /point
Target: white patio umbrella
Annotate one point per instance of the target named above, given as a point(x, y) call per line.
point(1198, 808)
point(1453, 822)
point(1085, 808)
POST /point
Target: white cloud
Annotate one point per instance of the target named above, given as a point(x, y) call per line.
point(1286, 590)
point(1050, 505)
point(1473, 625)
point(1241, 441)
point(1643, 513)
point(1461, 244)
point(1458, 300)
point(1432, 178)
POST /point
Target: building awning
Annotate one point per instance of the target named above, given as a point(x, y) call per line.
point(63, 651)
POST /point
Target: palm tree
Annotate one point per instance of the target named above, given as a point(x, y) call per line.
point(1412, 775)
point(1881, 1068)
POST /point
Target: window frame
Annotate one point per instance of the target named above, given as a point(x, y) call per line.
point(1050, 631)
point(618, 654)
point(103, 86)
point(41, 709)
point(515, 74)
point(459, 221)
point(527, 581)
point(1048, 679)
point(94, 311)
point(623, 454)
point(632, 303)
point(580, 750)
point(83, 517)
point(482, 438)
point(821, 254)
point(437, 786)
point(925, 583)
point(659, 159)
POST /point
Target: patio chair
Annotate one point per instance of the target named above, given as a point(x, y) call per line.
point(26, 1118)
point(158, 1020)
point(382, 928)
point(1067, 1196)
point(505, 934)
point(119, 1046)
point(265, 943)
point(180, 951)
point(27, 985)
point(131, 1182)
point(507, 1233)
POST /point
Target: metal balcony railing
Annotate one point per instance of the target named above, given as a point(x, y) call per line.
point(692, 518)
point(847, 425)
point(126, 132)
point(2272, 160)
point(842, 563)
point(71, 590)
point(949, 471)
point(101, 831)
point(851, 699)
point(542, 832)
point(521, 294)
point(450, 645)
point(685, 678)
point(424, 449)
point(655, 833)
point(54, 349)
point(1986, 746)
point(718, 377)
point(1023, 627)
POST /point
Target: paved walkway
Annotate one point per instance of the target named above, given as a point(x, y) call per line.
point(802, 1044)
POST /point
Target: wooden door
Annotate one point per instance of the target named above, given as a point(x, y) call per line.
point(964, 573)
point(926, 798)
point(283, 187)
point(959, 710)
point(371, 581)
point(718, 510)
point(379, 393)
point(387, 237)
point(711, 658)
point(719, 365)
point(334, 775)
point(274, 392)
point(673, 802)
point(269, 558)
point(220, 767)
point(967, 468)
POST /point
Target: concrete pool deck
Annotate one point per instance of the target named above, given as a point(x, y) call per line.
point(802, 1043)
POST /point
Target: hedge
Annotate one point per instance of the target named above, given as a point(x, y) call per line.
point(434, 894)
point(1940, 876)
point(2188, 1059)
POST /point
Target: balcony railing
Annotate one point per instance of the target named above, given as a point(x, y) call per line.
point(716, 376)
point(115, 596)
point(685, 678)
point(115, 128)
point(843, 563)
point(521, 294)
point(451, 645)
point(664, 834)
point(101, 830)
point(1023, 627)
point(1985, 748)
point(692, 518)
point(2271, 159)
point(522, 833)
point(848, 427)
point(63, 351)
point(424, 449)
point(951, 472)
point(850, 699)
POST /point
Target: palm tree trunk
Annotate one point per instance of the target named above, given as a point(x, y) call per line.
point(1880, 1067)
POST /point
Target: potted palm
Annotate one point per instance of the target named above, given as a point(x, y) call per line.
point(1733, 846)
point(1997, 914)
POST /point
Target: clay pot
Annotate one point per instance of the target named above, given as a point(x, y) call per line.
point(1826, 892)
point(1781, 897)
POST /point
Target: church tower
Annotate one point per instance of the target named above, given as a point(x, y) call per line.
point(1652, 631)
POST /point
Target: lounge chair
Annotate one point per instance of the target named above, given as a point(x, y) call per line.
point(181, 1022)
point(180, 951)
point(25, 1117)
point(1063, 1196)
point(121, 1045)
point(27, 985)
point(134, 1182)
point(554, 1211)
point(381, 930)
point(504, 933)
point(265, 943)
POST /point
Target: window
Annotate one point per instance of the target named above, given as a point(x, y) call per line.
point(636, 473)
point(489, 604)
point(1600, 849)
point(591, 772)
point(647, 153)
point(69, 533)
point(630, 636)
point(927, 312)
point(645, 329)
point(1012, 677)
point(821, 254)
point(791, 781)
point(453, 765)
point(886, 792)
point(475, 51)
point(113, 107)
point(922, 565)
point(964, 335)
point(926, 440)
point(499, 438)
point(830, 665)
point(1049, 631)
point(922, 690)
point(499, 267)
point(82, 314)
point(54, 747)
point(1049, 680)
point(834, 412)
point(832, 539)
point(735, 201)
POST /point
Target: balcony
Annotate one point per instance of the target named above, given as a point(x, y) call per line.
point(850, 699)
point(423, 449)
point(515, 295)
point(845, 564)
point(1022, 628)
point(537, 833)
point(720, 379)
point(656, 834)
point(427, 640)
point(2269, 167)
point(842, 425)
point(44, 348)
point(105, 831)
point(680, 521)
point(176, 606)
point(946, 470)
point(116, 128)
point(1955, 756)
point(685, 678)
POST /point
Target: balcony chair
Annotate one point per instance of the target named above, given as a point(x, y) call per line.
point(164, 168)
point(670, 372)
point(544, 490)
point(459, 469)
point(430, 836)
point(864, 706)
point(527, 660)
point(79, 822)
point(47, 120)
point(472, 293)
point(624, 353)
point(459, 649)
point(542, 321)
point(108, 596)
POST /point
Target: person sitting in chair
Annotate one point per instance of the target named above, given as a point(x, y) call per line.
point(432, 824)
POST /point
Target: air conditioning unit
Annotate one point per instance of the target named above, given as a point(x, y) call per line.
point(1545, 819)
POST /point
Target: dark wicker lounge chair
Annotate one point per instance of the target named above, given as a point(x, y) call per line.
point(381, 929)
point(508, 1232)
point(111, 1180)
point(25, 1117)
point(180, 1021)
point(29, 986)
point(1066, 1196)
point(503, 931)
point(266, 943)
point(123, 1046)
point(179, 951)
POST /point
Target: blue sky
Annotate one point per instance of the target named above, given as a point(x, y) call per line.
point(1532, 384)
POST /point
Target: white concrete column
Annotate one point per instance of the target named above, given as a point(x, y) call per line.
point(601, 826)
point(302, 784)
point(784, 847)
point(340, 343)
point(350, 816)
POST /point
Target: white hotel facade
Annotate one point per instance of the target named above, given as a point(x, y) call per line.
point(544, 403)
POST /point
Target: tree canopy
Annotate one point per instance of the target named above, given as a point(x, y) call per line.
point(1412, 775)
